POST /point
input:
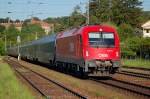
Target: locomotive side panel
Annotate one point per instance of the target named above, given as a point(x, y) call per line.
point(69, 49)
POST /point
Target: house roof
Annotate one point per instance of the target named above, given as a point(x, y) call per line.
point(18, 24)
point(44, 24)
point(146, 25)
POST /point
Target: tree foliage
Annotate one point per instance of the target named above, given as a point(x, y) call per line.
point(136, 46)
point(125, 31)
point(126, 16)
point(29, 32)
point(117, 11)
point(2, 50)
point(11, 34)
point(2, 29)
point(76, 18)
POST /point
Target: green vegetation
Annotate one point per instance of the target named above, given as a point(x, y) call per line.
point(126, 16)
point(30, 31)
point(2, 48)
point(136, 63)
point(11, 33)
point(136, 47)
point(10, 88)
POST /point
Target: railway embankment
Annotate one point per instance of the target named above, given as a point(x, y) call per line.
point(10, 87)
point(136, 63)
point(87, 87)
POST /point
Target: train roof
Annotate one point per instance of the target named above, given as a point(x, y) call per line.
point(45, 39)
point(79, 30)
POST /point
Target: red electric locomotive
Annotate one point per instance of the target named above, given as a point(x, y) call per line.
point(88, 50)
point(92, 50)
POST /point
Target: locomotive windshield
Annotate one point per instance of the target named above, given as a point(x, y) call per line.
point(101, 39)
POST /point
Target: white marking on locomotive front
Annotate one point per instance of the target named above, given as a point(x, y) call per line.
point(103, 55)
point(109, 50)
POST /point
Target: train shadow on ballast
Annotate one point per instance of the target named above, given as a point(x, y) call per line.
point(73, 74)
point(53, 67)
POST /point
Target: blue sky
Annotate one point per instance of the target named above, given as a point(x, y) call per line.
point(22, 9)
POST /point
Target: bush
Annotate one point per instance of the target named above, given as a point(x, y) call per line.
point(125, 31)
point(2, 48)
point(136, 46)
point(111, 24)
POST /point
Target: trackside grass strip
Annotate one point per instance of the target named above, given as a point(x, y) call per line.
point(10, 87)
point(136, 63)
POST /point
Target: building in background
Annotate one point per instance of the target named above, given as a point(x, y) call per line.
point(146, 29)
point(18, 25)
point(46, 26)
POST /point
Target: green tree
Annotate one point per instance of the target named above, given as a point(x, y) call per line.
point(2, 29)
point(2, 50)
point(76, 18)
point(29, 32)
point(11, 34)
point(136, 46)
point(117, 11)
point(145, 46)
point(60, 23)
point(101, 9)
point(125, 31)
point(126, 11)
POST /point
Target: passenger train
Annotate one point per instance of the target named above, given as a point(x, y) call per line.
point(92, 50)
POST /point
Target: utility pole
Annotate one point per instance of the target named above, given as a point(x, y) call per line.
point(18, 41)
point(36, 36)
point(10, 44)
point(88, 12)
point(110, 6)
point(53, 29)
point(87, 15)
point(5, 44)
point(9, 3)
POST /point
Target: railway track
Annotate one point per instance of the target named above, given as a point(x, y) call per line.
point(141, 75)
point(47, 87)
point(139, 68)
point(135, 88)
point(134, 71)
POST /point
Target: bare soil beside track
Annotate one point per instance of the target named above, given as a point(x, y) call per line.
point(86, 87)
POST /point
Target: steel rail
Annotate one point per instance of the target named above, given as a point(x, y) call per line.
point(56, 83)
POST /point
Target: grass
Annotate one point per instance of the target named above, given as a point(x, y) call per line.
point(10, 87)
point(136, 63)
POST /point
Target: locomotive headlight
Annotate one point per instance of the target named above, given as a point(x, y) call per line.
point(100, 30)
point(117, 53)
point(87, 53)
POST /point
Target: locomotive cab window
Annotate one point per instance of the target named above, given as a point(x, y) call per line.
point(101, 39)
